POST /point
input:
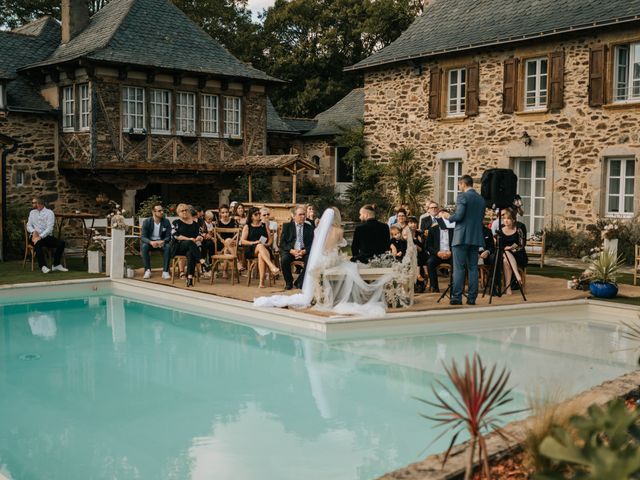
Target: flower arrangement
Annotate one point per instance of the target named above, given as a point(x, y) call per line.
point(384, 260)
point(116, 217)
point(611, 230)
point(582, 281)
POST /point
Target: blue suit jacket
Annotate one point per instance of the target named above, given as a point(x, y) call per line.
point(147, 230)
point(469, 214)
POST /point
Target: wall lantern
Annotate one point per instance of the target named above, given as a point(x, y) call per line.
point(416, 70)
point(526, 139)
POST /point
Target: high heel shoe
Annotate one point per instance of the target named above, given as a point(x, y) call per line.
point(275, 272)
point(190, 282)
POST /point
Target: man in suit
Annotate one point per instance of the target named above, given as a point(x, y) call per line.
point(429, 218)
point(295, 244)
point(156, 235)
point(438, 245)
point(467, 239)
point(370, 238)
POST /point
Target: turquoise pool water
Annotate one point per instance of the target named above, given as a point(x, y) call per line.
point(111, 388)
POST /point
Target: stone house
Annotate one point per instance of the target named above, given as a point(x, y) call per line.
point(132, 101)
point(550, 89)
point(315, 140)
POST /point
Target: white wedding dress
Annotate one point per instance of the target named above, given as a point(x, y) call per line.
point(332, 282)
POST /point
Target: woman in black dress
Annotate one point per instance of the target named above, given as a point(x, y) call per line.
point(256, 238)
point(228, 244)
point(187, 233)
point(513, 240)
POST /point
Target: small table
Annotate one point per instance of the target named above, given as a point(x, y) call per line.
point(63, 219)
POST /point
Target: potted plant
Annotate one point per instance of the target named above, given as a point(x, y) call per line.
point(605, 267)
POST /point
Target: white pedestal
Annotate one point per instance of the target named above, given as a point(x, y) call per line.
point(107, 260)
point(94, 261)
point(116, 259)
point(612, 246)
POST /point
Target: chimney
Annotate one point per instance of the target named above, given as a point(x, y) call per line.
point(75, 18)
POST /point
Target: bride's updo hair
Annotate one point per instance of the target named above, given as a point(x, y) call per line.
point(337, 218)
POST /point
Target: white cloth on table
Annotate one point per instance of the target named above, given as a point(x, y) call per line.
point(41, 221)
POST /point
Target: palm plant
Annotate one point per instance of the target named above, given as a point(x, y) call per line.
point(404, 173)
point(478, 394)
point(606, 266)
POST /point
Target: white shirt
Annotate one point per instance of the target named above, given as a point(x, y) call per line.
point(41, 221)
point(156, 231)
point(444, 240)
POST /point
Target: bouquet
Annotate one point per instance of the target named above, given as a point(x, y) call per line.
point(116, 217)
point(611, 231)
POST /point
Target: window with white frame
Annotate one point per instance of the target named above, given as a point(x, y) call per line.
point(160, 105)
point(21, 177)
point(452, 173)
point(133, 109)
point(186, 113)
point(535, 83)
point(626, 73)
point(209, 115)
point(531, 188)
point(85, 106)
point(621, 174)
point(457, 82)
point(68, 109)
point(316, 160)
point(232, 117)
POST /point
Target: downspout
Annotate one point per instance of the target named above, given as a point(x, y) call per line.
point(5, 153)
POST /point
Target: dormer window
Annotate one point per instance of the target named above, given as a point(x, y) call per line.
point(68, 109)
point(185, 113)
point(133, 109)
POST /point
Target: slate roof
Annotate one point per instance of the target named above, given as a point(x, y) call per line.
point(31, 43)
point(152, 33)
point(458, 25)
point(346, 114)
point(275, 124)
point(301, 125)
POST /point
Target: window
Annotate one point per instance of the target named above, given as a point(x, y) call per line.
point(620, 186)
point(316, 159)
point(452, 173)
point(209, 115)
point(185, 113)
point(160, 111)
point(457, 91)
point(2, 96)
point(627, 73)
point(85, 106)
point(68, 112)
point(133, 109)
point(232, 117)
point(531, 188)
point(344, 171)
point(21, 177)
point(535, 84)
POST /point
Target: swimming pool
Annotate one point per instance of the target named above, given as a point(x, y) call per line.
point(107, 386)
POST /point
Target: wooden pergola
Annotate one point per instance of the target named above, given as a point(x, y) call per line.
point(291, 163)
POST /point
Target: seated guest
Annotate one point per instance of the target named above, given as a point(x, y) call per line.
point(295, 244)
point(401, 218)
point(421, 254)
point(438, 244)
point(272, 225)
point(370, 238)
point(186, 233)
point(312, 218)
point(488, 251)
point(512, 238)
point(429, 218)
point(207, 249)
point(227, 244)
point(393, 219)
point(239, 214)
point(198, 215)
point(398, 245)
point(40, 228)
point(256, 237)
point(156, 235)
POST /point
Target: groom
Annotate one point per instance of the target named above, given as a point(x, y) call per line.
point(370, 238)
point(295, 244)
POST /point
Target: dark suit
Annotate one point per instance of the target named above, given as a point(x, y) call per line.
point(288, 243)
point(145, 242)
point(426, 222)
point(369, 239)
point(489, 245)
point(467, 239)
point(432, 244)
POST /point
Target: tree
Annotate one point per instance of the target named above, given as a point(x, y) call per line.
point(404, 175)
point(14, 13)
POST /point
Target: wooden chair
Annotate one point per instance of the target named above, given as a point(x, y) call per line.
point(535, 250)
point(227, 254)
point(31, 250)
point(636, 265)
point(175, 261)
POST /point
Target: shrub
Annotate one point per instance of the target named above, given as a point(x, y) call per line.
point(261, 190)
point(319, 195)
point(14, 234)
point(145, 208)
point(405, 175)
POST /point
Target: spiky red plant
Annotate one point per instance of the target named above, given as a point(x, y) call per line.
point(477, 395)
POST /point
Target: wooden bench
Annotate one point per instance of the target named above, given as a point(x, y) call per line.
point(535, 250)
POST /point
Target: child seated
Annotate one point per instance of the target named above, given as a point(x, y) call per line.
point(398, 245)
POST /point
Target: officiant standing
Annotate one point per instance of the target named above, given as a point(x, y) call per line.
point(295, 244)
point(371, 238)
point(467, 239)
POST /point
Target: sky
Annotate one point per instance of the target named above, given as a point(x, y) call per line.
point(256, 6)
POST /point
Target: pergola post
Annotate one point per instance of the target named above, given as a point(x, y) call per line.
point(250, 190)
point(295, 182)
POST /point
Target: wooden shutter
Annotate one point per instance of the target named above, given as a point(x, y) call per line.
point(556, 80)
point(434, 92)
point(597, 56)
point(473, 89)
point(509, 85)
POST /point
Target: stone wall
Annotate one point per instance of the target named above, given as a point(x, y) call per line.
point(575, 141)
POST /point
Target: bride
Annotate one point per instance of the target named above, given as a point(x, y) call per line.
point(333, 283)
